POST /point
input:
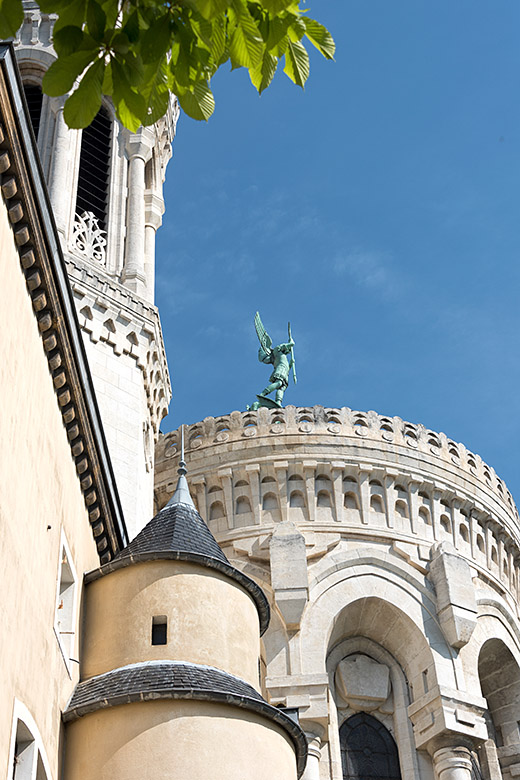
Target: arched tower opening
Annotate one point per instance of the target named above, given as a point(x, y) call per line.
point(34, 97)
point(499, 676)
point(94, 168)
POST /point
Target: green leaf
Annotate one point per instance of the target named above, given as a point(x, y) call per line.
point(276, 7)
point(246, 46)
point(73, 14)
point(120, 43)
point(131, 27)
point(96, 20)
point(130, 106)
point(198, 102)
point(263, 74)
point(62, 74)
point(156, 41)
point(209, 9)
point(277, 37)
point(84, 103)
point(53, 6)
point(11, 17)
point(68, 40)
point(297, 63)
point(107, 87)
point(320, 37)
point(156, 91)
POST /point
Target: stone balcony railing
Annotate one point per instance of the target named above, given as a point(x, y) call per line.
point(348, 472)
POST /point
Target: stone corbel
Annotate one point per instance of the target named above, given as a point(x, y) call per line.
point(443, 713)
point(307, 692)
point(456, 602)
point(289, 577)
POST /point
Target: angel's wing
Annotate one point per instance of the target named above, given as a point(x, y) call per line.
point(264, 339)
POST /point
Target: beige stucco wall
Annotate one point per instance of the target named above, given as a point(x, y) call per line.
point(177, 740)
point(211, 620)
point(39, 496)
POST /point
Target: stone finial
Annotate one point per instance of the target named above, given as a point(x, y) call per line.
point(182, 492)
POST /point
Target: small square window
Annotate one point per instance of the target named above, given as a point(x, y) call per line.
point(159, 630)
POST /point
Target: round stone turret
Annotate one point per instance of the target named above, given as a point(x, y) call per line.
point(170, 663)
point(390, 555)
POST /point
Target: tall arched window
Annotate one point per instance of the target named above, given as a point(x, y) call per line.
point(368, 750)
point(34, 97)
point(94, 168)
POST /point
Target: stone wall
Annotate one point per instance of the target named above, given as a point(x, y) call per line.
point(384, 547)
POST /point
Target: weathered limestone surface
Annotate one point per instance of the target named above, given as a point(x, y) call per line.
point(111, 269)
point(411, 549)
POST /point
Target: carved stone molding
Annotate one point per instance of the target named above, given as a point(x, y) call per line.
point(42, 263)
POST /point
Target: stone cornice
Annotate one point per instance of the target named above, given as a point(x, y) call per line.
point(42, 263)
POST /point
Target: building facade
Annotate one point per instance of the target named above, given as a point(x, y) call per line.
point(390, 557)
point(105, 186)
point(119, 660)
point(388, 554)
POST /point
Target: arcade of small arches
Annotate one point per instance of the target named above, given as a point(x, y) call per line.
point(394, 505)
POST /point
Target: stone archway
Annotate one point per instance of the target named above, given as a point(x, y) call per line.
point(368, 750)
point(499, 675)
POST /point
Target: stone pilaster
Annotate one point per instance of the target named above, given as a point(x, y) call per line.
point(139, 149)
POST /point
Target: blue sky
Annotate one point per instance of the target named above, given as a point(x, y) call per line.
point(377, 210)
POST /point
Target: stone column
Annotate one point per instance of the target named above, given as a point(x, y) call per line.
point(226, 481)
point(253, 472)
point(452, 763)
point(364, 491)
point(281, 477)
point(154, 209)
point(413, 502)
point(60, 185)
point(139, 149)
point(309, 473)
point(312, 770)
point(337, 478)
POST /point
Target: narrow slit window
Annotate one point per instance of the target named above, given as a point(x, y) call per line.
point(94, 168)
point(159, 630)
point(34, 97)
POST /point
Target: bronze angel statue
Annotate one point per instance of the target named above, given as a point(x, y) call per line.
point(279, 379)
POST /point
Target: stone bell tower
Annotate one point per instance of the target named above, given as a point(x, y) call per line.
point(105, 185)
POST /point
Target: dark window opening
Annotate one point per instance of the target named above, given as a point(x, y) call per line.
point(159, 630)
point(34, 97)
point(368, 750)
point(94, 168)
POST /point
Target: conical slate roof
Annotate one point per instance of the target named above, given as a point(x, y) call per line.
point(178, 532)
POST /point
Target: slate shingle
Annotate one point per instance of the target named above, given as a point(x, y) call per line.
point(177, 680)
point(178, 532)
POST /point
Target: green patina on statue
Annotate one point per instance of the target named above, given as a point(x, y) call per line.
point(279, 379)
